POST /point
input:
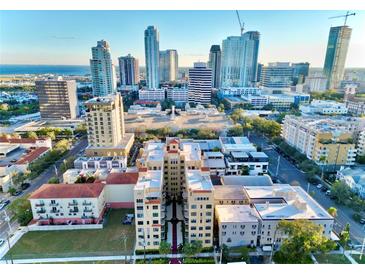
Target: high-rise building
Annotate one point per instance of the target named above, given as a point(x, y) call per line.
point(168, 65)
point(334, 64)
point(300, 72)
point(57, 98)
point(129, 70)
point(105, 127)
point(277, 77)
point(102, 70)
point(215, 64)
point(200, 84)
point(239, 60)
point(152, 52)
point(259, 71)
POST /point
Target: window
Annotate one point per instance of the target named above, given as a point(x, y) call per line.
point(224, 226)
point(243, 226)
point(154, 214)
point(139, 207)
point(193, 207)
point(140, 222)
point(193, 213)
point(139, 201)
point(209, 206)
point(207, 241)
point(229, 240)
point(139, 215)
point(155, 229)
point(242, 233)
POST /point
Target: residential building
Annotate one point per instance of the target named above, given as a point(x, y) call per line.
point(238, 225)
point(152, 52)
point(102, 70)
point(68, 204)
point(214, 160)
point(257, 101)
point(200, 84)
point(361, 143)
point(324, 140)
point(57, 98)
point(109, 163)
point(300, 72)
point(236, 144)
point(129, 71)
point(168, 65)
point(239, 91)
point(214, 64)
point(355, 105)
point(178, 95)
point(277, 77)
point(337, 46)
point(229, 195)
point(324, 107)
point(354, 178)
point(26, 143)
point(152, 94)
point(239, 60)
point(316, 83)
point(256, 163)
point(105, 127)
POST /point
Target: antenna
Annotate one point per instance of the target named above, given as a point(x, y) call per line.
point(344, 15)
point(242, 26)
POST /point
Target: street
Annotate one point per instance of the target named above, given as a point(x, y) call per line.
point(289, 173)
point(36, 183)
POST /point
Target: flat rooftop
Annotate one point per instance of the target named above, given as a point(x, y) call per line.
point(258, 154)
point(297, 203)
point(247, 180)
point(229, 192)
point(154, 151)
point(237, 144)
point(198, 180)
point(217, 154)
point(214, 163)
point(192, 151)
point(151, 179)
point(236, 214)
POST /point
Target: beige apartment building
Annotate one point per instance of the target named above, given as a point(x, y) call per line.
point(105, 127)
point(327, 141)
point(57, 99)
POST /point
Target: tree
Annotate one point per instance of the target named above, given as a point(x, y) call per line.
point(18, 178)
point(165, 248)
point(21, 209)
point(191, 249)
point(332, 211)
point(32, 135)
point(67, 163)
point(53, 180)
point(305, 237)
point(341, 191)
point(236, 130)
point(245, 170)
point(12, 190)
point(322, 160)
point(51, 135)
point(225, 253)
point(62, 146)
point(345, 236)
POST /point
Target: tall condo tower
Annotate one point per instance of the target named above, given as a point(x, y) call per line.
point(102, 70)
point(168, 65)
point(128, 70)
point(152, 52)
point(215, 64)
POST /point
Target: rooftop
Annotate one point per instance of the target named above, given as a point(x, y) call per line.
point(236, 214)
point(105, 100)
point(229, 192)
point(214, 163)
point(32, 155)
point(258, 154)
point(236, 144)
point(123, 178)
point(192, 151)
point(150, 179)
point(247, 180)
point(198, 180)
point(67, 191)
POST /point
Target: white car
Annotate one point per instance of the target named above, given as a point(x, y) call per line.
point(319, 186)
point(2, 241)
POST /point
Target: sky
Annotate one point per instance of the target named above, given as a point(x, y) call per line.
point(66, 37)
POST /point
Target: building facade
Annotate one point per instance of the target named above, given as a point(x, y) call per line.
point(57, 98)
point(214, 64)
point(152, 94)
point(128, 71)
point(300, 72)
point(200, 84)
point(102, 70)
point(152, 55)
point(277, 77)
point(337, 46)
point(169, 61)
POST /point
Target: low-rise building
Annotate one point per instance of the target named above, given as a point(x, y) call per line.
point(68, 204)
point(26, 143)
point(215, 162)
point(178, 95)
point(238, 91)
point(236, 144)
point(101, 162)
point(361, 143)
point(238, 225)
point(354, 178)
point(152, 94)
point(324, 107)
point(230, 195)
point(256, 162)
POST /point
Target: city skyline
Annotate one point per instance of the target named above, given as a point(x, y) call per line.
point(61, 43)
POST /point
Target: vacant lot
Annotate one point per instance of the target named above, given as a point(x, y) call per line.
point(74, 243)
point(332, 259)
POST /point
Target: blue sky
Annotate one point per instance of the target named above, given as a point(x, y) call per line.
point(65, 37)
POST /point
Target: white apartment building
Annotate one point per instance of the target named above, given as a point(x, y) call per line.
point(101, 162)
point(238, 225)
point(324, 107)
point(149, 208)
point(354, 178)
point(177, 95)
point(257, 101)
point(214, 160)
point(236, 144)
point(68, 203)
point(257, 163)
point(151, 94)
point(361, 143)
point(239, 91)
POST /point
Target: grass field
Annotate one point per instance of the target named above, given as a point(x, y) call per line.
point(95, 242)
point(357, 258)
point(332, 259)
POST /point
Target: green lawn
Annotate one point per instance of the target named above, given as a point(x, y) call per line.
point(357, 258)
point(332, 259)
point(95, 242)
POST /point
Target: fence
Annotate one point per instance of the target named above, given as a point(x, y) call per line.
point(63, 227)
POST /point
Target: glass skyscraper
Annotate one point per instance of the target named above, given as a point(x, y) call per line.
point(152, 53)
point(102, 70)
point(239, 60)
point(168, 65)
point(337, 46)
point(214, 63)
point(300, 72)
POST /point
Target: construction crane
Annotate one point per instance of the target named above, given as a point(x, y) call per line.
point(344, 15)
point(242, 26)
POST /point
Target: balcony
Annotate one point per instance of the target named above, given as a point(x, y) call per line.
point(54, 211)
point(54, 204)
point(41, 211)
point(88, 210)
point(86, 203)
point(74, 210)
point(39, 204)
point(72, 204)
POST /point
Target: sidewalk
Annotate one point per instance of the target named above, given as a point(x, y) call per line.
point(13, 239)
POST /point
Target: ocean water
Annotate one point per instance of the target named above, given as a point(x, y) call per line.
point(44, 69)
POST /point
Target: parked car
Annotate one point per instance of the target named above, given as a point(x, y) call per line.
point(319, 186)
point(19, 192)
point(324, 189)
point(362, 221)
point(24, 186)
point(128, 219)
point(328, 192)
point(3, 204)
point(2, 241)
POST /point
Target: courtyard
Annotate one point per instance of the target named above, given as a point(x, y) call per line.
point(78, 243)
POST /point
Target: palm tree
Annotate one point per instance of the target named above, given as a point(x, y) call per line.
point(332, 211)
point(322, 160)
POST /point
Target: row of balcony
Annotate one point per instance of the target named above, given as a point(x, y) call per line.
point(57, 204)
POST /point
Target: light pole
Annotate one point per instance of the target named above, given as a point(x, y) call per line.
point(124, 240)
point(277, 166)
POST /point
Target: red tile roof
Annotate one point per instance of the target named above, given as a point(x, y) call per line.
point(123, 178)
point(31, 156)
point(67, 191)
